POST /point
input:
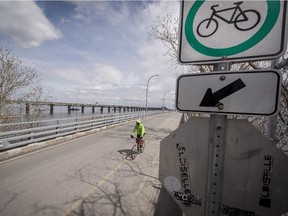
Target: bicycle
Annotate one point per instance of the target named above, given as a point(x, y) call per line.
point(209, 26)
point(137, 148)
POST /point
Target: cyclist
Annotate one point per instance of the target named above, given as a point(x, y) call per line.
point(140, 129)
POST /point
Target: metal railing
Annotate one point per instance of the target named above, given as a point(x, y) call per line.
point(46, 130)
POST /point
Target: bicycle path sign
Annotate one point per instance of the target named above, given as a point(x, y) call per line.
point(217, 31)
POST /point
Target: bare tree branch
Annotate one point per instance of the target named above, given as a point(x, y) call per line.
point(17, 82)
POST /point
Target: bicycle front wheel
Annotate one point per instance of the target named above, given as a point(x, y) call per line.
point(134, 152)
point(247, 20)
point(143, 146)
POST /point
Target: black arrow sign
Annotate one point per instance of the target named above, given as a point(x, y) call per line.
point(212, 99)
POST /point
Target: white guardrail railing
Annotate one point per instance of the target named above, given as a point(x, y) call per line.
point(33, 132)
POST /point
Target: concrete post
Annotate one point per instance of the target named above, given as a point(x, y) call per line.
point(51, 109)
point(27, 108)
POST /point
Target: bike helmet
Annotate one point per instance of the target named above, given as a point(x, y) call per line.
point(138, 121)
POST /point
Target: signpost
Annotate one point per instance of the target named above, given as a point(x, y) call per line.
point(232, 92)
point(219, 166)
point(217, 31)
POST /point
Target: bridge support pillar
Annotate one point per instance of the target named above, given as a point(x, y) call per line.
point(101, 109)
point(93, 109)
point(69, 109)
point(82, 109)
point(27, 108)
point(51, 109)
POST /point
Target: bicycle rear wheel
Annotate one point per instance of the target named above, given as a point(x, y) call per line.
point(207, 27)
point(134, 152)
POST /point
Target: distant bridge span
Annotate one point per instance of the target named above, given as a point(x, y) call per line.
point(71, 106)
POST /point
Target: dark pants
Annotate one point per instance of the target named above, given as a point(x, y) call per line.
point(138, 136)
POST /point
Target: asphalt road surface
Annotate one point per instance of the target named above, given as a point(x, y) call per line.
point(91, 175)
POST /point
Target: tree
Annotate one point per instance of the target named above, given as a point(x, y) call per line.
point(18, 84)
point(166, 30)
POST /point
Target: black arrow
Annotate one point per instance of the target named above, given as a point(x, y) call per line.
point(212, 99)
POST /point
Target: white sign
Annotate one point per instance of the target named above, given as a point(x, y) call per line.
point(255, 173)
point(233, 92)
point(213, 31)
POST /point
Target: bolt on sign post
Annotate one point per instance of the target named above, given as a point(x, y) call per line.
point(213, 31)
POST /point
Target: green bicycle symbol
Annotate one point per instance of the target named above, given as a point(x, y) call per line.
point(273, 11)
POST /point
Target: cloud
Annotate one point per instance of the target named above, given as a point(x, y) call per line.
point(134, 58)
point(25, 23)
point(72, 76)
point(95, 76)
point(107, 74)
point(114, 13)
point(105, 56)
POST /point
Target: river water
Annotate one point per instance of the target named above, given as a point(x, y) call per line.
point(59, 112)
point(18, 119)
point(62, 112)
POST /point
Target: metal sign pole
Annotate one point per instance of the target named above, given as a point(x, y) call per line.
point(272, 121)
point(217, 139)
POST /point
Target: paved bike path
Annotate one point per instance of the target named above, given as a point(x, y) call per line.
point(89, 175)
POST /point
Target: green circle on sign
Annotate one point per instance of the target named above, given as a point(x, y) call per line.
point(273, 10)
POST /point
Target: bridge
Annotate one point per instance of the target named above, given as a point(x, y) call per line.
point(74, 106)
point(89, 174)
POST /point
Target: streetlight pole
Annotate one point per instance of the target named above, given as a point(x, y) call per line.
point(146, 108)
point(164, 99)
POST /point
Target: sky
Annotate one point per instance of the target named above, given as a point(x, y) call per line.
point(92, 51)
